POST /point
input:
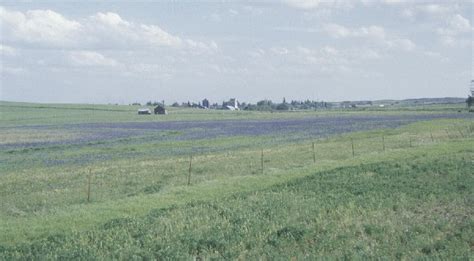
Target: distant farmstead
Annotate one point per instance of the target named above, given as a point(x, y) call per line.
point(232, 105)
point(144, 111)
point(160, 110)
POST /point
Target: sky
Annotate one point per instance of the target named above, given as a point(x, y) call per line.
point(327, 50)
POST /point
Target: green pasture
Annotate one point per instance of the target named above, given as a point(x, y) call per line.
point(398, 193)
point(27, 114)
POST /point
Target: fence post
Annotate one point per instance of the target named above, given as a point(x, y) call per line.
point(314, 154)
point(383, 142)
point(190, 169)
point(447, 133)
point(352, 145)
point(411, 145)
point(261, 162)
point(431, 135)
point(89, 185)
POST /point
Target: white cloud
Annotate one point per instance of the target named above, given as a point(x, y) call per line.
point(88, 58)
point(11, 70)
point(39, 26)
point(374, 33)
point(339, 31)
point(149, 70)
point(459, 24)
point(304, 4)
point(342, 4)
point(111, 19)
point(435, 55)
point(434, 9)
point(404, 44)
point(253, 10)
point(157, 36)
point(394, 2)
point(336, 31)
point(456, 32)
point(6, 50)
point(233, 12)
point(279, 50)
point(102, 30)
point(258, 53)
point(439, 11)
point(329, 55)
point(328, 60)
point(314, 4)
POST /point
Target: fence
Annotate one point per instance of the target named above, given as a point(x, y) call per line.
point(197, 168)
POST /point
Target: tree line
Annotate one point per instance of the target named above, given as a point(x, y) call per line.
point(263, 105)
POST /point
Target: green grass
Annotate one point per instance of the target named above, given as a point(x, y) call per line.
point(421, 208)
point(409, 201)
point(24, 114)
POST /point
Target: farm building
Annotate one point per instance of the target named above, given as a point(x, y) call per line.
point(232, 105)
point(160, 110)
point(144, 111)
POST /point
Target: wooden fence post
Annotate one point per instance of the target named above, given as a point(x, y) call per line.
point(190, 169)
point(314, 154)
point(352, 145)
point(383, 142)
point(261, 161)
point(89, 185)
point(411, 145)
point(431, 135)
point(447, 133)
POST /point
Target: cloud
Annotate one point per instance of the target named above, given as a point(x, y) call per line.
point(434, 9)
point(6, 50)
point(39, 27)
point(329, 55)
point(49, 29)
point(88, 58)
point(306, 61)
point(304, 4)
point(456, 32)
point(13, 70)
point(336, 31)
point(404, 44)
point(330, 60)
point(279, 50)
point(457, 24)
point(315, 4)
point(110, 19)
point(339, 31)
point(438, 11)
point(374, 33)
point(394, 2)
point(341, 4)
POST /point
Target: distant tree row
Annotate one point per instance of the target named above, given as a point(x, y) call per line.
point(263, 105)
point(268, 105)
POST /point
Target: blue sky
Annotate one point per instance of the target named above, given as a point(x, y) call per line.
point(126, 51)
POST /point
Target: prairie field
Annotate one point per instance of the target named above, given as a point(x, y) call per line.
point(99, 182)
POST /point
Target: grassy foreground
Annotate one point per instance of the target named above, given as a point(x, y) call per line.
point(404, 193)
point(421, 207)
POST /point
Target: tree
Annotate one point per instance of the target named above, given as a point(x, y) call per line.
point(470, 102)
point(265, 105)
point(282, 107)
